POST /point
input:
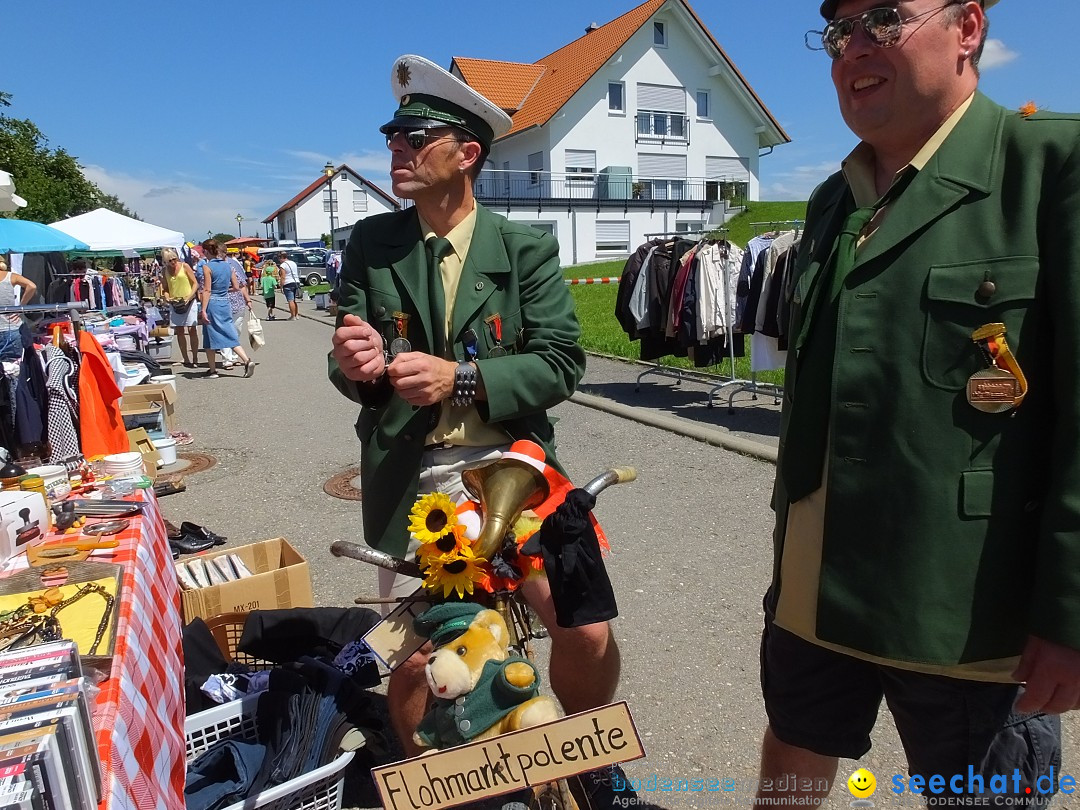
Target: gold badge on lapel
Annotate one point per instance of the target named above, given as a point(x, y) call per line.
point(1001, 386)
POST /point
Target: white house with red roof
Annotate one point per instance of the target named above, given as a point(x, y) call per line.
point(346, 196)
point(643, 125)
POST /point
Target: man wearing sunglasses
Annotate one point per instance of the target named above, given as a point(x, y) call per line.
point(454, 359)
point(927, 542)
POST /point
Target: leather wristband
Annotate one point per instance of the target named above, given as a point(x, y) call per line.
point(464, 386)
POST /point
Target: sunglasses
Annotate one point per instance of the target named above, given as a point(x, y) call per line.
point(884, 27)
point(417, 138)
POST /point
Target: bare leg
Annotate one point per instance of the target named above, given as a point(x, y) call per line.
point(779, 759)
point(574, 650)
point(194, 340)
point(293, 309)
point(181, 340)
point(407, 696)
point(239, 351)
point(211, 360)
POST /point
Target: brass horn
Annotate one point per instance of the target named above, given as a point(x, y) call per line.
point(505, 489)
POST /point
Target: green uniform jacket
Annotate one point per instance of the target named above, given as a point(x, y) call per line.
point(951, 534)
point(511, 270)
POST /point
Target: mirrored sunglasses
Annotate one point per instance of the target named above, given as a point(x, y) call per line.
point(883, 26)
point(416, 138)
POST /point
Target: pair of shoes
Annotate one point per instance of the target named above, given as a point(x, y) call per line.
point(197, 532)
point(271, 318)
point(211, 375)
point(171, 531)
point(249, 368)
point(186, 544)
point(606, 788)
point(188, 365)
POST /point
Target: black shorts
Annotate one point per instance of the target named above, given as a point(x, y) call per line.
point(827, 702)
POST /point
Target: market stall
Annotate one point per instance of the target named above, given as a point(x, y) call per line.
point(106, 231)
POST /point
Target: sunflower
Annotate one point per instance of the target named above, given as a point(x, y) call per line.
point(432, 516)
point(460, 574)
point(452, 544)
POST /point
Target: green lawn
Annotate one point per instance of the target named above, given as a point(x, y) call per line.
point(596, 302)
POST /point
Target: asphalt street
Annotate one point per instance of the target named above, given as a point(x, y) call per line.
point(691, 537)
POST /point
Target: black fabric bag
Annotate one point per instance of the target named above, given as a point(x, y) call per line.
point(181, 309)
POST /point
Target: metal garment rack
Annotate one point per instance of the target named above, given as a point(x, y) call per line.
point(71, 309)
point(752, 385)
point(675, 373)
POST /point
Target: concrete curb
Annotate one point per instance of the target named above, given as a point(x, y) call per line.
point(672, 424)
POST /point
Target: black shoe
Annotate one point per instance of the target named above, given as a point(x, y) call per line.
point(186, 544)
point(606, 788)
point(202, 533)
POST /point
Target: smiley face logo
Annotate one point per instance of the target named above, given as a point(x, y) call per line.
point(862, 784)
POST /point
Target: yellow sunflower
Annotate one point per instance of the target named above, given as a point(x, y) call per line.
point(432, 516)
point(460, 574)
point(452, 544)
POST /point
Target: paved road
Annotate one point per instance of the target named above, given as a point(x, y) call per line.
point(691, 538)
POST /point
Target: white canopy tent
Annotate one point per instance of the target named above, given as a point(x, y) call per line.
point(107, 230)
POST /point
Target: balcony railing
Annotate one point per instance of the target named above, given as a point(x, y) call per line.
point(661, 127)
point(495, 186)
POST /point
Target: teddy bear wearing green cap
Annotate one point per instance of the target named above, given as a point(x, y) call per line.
point(481, 690)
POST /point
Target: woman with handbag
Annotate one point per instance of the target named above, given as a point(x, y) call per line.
point(182, 286)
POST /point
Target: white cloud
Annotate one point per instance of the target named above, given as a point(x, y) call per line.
point(184, 206)
point(996, 54)
point(797, 182)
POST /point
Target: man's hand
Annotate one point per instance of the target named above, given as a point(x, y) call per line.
point(422, 379)
point(1051, 673)
point(358, 349)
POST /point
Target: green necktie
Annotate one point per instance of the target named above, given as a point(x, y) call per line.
point(808, 422)
point(437, 247)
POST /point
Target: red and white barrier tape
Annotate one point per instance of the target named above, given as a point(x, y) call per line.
point(602, 280)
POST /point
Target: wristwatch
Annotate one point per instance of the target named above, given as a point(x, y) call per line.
point(464, 385)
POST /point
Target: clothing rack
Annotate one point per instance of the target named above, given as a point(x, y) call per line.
point(752, 385)
point(71, 309)
point(676, 373)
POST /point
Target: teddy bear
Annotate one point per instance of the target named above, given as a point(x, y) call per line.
point(481, 690)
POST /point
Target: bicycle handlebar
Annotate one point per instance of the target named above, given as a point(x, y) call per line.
point(343, 548)
point(616, 475)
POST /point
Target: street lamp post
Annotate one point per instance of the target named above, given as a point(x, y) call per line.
point(328, 170)
point(239, 219)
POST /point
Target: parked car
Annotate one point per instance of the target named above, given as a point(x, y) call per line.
point(311, 262)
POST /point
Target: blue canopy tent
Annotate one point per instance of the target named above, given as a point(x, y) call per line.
point(21, 236)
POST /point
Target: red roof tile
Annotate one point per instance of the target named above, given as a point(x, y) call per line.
point(561, 74)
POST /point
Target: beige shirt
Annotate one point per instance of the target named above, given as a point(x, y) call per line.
point(800, 568)
point(456, 425)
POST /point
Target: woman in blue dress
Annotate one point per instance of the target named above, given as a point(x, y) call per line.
point(216, 315)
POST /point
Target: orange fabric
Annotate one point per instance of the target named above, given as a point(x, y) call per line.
point(101, 426)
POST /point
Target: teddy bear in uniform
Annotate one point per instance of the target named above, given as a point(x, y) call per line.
point(481, 690)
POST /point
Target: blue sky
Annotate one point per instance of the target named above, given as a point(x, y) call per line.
point(194, 112)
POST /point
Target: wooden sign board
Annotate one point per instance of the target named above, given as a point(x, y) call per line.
point(393, 639)
point(582, 742)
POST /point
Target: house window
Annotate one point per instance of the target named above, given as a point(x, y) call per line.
point(580, 164)
point(661, 113)
point(359, 199)
point(329, 200)
point(536, 166)
point(615, 102)
point(659, 34)
point(546, 227)
point(703, 108)
point(613, 237)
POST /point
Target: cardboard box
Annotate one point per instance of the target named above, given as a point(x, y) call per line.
point(282, 580)
point(141, 396)
point(140, 442)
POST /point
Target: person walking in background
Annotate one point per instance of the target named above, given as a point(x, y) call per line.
point(218, 330)
point(269, 283)
point(249, 272)
point(182, 288)
point(927, 539)
point(239, 305)
point(290, 283)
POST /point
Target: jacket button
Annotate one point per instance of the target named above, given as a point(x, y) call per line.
point(479, 286)
point(464, 725)
point(985, 292)
point(380, 312)
point(407, 437)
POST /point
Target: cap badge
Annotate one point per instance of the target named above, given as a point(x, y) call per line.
point(405, 100)
point(403, 74)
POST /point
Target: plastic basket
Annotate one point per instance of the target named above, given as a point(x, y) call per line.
point(321, 789)
point(227, 630)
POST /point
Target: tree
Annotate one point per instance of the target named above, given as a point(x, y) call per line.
point(222, 238)
point(51, 180)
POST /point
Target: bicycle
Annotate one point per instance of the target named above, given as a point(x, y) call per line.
point(509, 603)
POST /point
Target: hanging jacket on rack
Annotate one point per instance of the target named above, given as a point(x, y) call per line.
point(63, 426)
point(631, 275)
point(31, 401)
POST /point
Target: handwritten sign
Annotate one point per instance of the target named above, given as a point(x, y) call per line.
point(393, 639)
point(533, 756)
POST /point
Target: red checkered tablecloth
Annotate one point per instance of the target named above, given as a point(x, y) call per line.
point(139, 714)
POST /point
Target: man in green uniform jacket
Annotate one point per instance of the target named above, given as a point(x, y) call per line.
point(927, 543)
point(482, 339)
